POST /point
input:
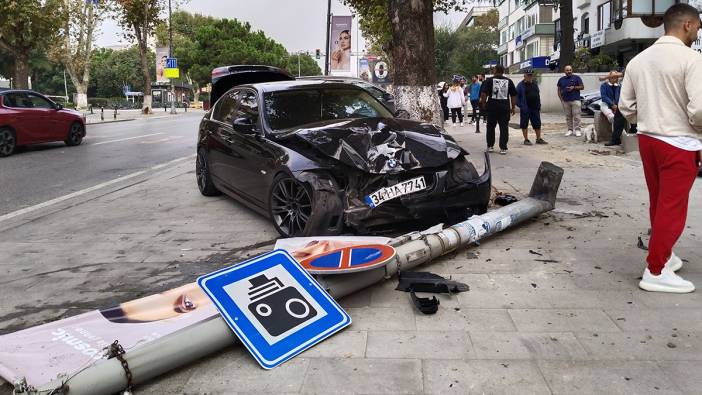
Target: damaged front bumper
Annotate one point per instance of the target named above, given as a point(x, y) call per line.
point(454, 191)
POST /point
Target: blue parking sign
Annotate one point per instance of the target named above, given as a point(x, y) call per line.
point(171, 63)
point(274, 306)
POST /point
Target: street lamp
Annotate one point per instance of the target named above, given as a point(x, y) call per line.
point(170, 55)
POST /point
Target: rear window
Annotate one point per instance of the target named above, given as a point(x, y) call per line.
point(294, 108)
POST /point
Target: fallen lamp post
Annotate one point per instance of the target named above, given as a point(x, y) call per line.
point(213, 334)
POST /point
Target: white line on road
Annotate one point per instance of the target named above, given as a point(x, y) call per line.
point(88, 190)
point(126, 138)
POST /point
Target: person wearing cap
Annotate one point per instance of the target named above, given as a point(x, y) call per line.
point(529, 103)
point(662, 91)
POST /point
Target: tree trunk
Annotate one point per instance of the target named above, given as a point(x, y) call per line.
point(567, 39)
point(21, 76)
point(81, 96)
point(412, 53)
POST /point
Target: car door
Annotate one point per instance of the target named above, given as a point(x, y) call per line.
point(55, 124)
point(255, 159)
point(219, 142)
point(17, 118)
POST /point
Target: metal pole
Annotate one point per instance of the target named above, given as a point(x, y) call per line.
point(65, 85)
point(170, 55)
point(328, 32)
point(206, 337)
point(298, 63)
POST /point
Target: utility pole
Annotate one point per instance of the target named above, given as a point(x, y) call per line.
point(65, 85)
point(326, 57)
point(170, 55)
point(298, 63)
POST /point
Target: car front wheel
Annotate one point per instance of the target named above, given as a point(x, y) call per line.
point(8, 142)
point(75, 134)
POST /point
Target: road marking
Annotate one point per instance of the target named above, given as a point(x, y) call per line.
point(126, 138)
point(88, 190)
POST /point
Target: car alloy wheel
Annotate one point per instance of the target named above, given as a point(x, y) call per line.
point(75, 134)
point(7, 142)
point(291, 206)
point(202, 173)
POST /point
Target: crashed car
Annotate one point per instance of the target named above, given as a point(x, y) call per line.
point(322, 158)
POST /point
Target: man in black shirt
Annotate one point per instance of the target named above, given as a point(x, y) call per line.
point(498, 97)
point(529, 103)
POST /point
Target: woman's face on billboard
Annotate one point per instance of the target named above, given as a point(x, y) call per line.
point(345, 40)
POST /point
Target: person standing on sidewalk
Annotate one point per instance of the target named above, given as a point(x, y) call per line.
point(496, 94)
point(456, 101)
point(475, 99)
point(529, 103)
point(569, 87)
point(443, 88)
point(662, 91)
point(609, 92)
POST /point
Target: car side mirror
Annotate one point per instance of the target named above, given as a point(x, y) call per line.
point(59, 106)
point(244, 126)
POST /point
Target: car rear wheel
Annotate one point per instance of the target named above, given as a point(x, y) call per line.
point(75, 134)
point(8, 142)
point(204, 178)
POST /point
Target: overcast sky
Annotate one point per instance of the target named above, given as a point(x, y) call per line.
point(298, 25)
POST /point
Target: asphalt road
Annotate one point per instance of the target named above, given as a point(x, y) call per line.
point(39, 173)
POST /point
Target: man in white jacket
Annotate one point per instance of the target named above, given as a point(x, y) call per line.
point(662, 92)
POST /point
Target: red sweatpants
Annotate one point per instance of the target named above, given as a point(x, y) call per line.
point(670, 173)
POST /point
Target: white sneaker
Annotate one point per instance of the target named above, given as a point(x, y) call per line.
point(667, 281)
point(569, 133)
point(578, 133)
point(461, 124)
point(674, 263)
point(453, 123)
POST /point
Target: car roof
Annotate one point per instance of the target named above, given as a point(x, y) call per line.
point(299, 84)
point(4, 92)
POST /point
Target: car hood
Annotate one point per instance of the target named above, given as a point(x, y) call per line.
point(382, 145)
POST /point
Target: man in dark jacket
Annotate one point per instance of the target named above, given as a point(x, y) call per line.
point(529, 103)
point(498, 97)
point(609, 91)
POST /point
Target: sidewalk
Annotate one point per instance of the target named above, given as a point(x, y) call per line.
point(553, 306)
point(129, 115)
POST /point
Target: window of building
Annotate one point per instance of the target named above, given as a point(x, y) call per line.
point(604, 15)
point(585, 23)
point(557, 33)
point(511, 32)
point(532, 50)
point(503, 37)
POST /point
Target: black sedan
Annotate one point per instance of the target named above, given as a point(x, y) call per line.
point(319, 158)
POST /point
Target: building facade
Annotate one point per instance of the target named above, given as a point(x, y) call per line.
point(526, 34)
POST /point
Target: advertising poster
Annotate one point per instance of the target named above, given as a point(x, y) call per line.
point(363, 69)
point(42, 353)
point(161, 56)
point(381, 74)
point(340, 43)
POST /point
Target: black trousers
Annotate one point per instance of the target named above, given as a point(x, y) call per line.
point(475, 104)
point(445, 109)
point(618, 125)
point(500, 118)
point(454, 112)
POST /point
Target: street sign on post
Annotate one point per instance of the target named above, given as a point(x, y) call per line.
point(171, 63)
point(274, 306)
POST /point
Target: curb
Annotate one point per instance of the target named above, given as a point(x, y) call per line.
point(113, 121)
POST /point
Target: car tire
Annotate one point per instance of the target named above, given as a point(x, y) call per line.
point(75, 134)
point(299, 210)
point(203, 176)
point(8, 142)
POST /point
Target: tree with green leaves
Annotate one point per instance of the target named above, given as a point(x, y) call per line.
point(26, 26)
point(74, 46)
point(307, 65)
point(464, 51)
point(110, 70)
point(139, 19)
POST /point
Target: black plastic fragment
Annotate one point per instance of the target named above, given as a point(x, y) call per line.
point(428, 282)
point(425, 305)
point(505, 200)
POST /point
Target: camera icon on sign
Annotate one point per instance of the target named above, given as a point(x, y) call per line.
point(278, 308)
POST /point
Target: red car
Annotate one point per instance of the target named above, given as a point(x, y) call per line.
point(26, 117)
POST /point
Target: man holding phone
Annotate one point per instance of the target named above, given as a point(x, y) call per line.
point(569, 87)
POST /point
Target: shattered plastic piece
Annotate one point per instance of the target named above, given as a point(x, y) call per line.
point(425, 305)
point(505, 200)
point(428, 282)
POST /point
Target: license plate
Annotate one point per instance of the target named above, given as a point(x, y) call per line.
point(382, 195)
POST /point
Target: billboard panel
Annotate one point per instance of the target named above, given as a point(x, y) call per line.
point(340, 44)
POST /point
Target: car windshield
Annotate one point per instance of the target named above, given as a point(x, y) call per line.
point(294, 108)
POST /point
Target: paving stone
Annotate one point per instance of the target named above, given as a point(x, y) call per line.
point(345, 344)
point(483, 377)
point(237, 370)
point(660, 320)
point(382, 318)
point(534, 320)
point(361, 298)
point(364, 376)
point(545, 298)
point(461, 318)
point(659, 346)
point(606, 377)
point(513, 345)
point(420, 345)
point(685, 374)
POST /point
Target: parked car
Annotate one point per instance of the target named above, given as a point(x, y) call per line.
point(318, 157)
point(590, 102)
point(385, 97)
point(27, 117)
